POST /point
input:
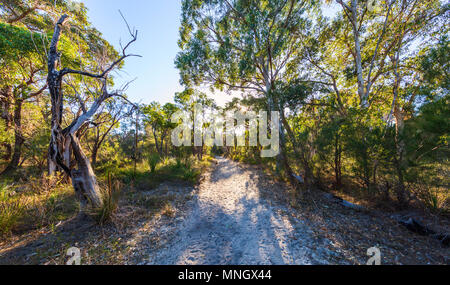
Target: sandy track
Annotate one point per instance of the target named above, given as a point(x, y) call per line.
point(230, 222)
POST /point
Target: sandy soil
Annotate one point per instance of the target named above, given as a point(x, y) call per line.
point(230, 222)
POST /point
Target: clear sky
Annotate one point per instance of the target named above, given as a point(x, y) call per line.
point(158, 23)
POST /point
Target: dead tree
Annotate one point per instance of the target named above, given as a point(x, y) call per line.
point(64, 143)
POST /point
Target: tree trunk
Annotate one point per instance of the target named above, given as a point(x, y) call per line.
point(399, 142)
point(94, 154)
point(65, 142)
point(309, 176)
point(337, 162)
point(273, 106)
point(358, 57)
point(400, 148)
point(84, 180)
point(167, 148)
point(157, 145)
point(18, 138)
point(5, 103)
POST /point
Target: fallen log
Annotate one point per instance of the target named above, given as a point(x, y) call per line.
point(418, 228)
point(299, 178)
point(443, 238)
point(344, 203)
point(351, 205)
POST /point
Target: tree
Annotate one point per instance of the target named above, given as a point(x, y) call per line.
point(242, 45)
point(413, 19)
point(159, 118)
point(20, 82)
point(104, 122)
point(23, 40)
point(65, 142)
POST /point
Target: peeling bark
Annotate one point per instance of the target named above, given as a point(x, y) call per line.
point(84, 180)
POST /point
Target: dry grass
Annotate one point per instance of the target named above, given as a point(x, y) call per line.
point(38, 203)
point(43, 232)
point(110, 195)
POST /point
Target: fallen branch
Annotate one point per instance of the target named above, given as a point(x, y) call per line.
point(344, 203)
point(418, 228)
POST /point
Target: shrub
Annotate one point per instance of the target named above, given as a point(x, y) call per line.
point(110, 195)
point(153, 160)
point(10, 213)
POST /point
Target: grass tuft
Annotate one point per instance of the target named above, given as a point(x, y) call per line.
point(110, 195)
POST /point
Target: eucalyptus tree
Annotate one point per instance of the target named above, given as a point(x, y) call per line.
point(416, 23)
point(24, 27)
point(365, 60)
point(242, 45)
point(159, 119)
point(29, 12)
point(21, 81)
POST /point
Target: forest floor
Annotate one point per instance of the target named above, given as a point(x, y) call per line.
point(236, 215)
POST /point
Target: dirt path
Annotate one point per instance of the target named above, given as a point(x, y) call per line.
point(236, 216)
point(230, 222)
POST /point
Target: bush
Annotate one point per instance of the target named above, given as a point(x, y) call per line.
point(10, 214)
point(153, 160)
point(110, 195)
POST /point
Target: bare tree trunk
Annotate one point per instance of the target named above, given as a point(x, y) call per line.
point(358, 57)
point(64, 143)
point(54, 81)
point(84, 180)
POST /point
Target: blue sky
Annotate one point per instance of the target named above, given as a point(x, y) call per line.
point(158, 23)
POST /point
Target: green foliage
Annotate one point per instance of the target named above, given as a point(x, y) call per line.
point(435, 65)
point(285, 56)
point(10, 212)
point(153, 160)
point(308, 67)
point(18, 42)
point(36, 203)
point(231, 47)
